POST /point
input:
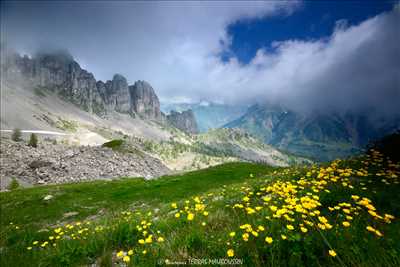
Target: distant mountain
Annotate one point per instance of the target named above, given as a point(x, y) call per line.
point(208, 115)
point(240, 144)
point(316, 135)
point(184, 121)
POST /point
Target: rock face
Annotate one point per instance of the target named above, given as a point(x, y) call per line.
point(115, 94)
point(184, 121)
point(144, 100)
point(50, 163)
point(59, 73)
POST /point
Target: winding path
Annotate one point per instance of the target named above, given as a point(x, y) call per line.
point(37, 132)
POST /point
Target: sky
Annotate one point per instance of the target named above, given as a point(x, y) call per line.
point(305, 55)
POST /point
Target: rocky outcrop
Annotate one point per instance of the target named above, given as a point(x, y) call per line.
point(56, 163)
point(115, 94)
point(58, 72)
point(144, 100)
point(184, 121)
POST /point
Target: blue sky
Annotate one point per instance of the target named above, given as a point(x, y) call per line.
point(312, 20)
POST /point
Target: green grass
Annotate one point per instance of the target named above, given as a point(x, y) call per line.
point(66, 125)
point(27, 207)
point(122, 206)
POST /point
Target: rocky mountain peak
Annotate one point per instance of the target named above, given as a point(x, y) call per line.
point(117, 94)
point(184, 121)
point(58, 72)
point(145, 102)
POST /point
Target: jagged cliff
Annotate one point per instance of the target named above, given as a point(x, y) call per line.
point(60, 73)
point(144, 100)
point(184, 121)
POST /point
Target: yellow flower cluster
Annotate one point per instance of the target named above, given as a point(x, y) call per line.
point(125, 256)
point(296, 203)
point(75, 231)
point(192, 207)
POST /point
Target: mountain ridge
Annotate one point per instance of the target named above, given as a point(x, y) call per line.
point(58, 72)
point(322, 136)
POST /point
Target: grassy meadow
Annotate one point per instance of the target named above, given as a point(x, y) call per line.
point(344, 213)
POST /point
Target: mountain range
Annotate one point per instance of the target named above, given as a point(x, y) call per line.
point(52, 95)
point(38, 91)
point(60, 74)
point(319, 135)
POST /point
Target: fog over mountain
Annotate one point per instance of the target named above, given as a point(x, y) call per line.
point(177, 48)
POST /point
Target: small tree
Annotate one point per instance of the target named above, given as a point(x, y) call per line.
point(16, 135)
point(13, 184)
point(33, 141)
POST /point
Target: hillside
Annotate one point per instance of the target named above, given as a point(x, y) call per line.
point(239, 143)
point(341, 214)
point(216, 147)
point(321, 136)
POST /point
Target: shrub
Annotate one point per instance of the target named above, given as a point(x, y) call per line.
point(16, 135)
point(13, 185)
point(114, 144)
point(33, 140)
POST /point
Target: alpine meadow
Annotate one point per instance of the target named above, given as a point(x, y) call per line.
point(200, 133)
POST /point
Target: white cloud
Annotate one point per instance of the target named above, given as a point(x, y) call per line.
point(358, 67)
point(175, 46)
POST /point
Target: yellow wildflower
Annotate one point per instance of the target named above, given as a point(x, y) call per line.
point(268, 239)
point(370, 228)
point(149, 239)
point(245, 236)
point(190, 216)
point(303, 229)
point(378, 233)
point(120, 254)
point(346, 224)
point(332, 253)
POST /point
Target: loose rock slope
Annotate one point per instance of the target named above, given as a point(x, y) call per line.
point(58, 163)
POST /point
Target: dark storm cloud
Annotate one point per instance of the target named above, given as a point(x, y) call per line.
point(175, 46)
